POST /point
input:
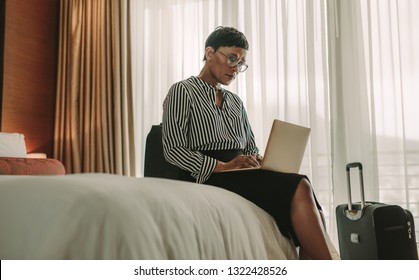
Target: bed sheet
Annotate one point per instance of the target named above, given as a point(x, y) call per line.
point(103, 216)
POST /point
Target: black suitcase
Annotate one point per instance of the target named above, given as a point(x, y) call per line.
point(373, 230)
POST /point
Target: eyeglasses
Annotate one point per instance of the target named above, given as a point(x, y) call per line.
point(232, 61)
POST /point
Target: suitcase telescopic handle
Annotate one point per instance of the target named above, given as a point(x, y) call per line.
point(361, 181)
point(353, 165)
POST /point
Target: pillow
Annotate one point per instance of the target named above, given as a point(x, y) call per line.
point(12, 145)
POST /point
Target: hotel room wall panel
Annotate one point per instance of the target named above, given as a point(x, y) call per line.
point(29, 71)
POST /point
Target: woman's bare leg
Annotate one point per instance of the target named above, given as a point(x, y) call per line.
point(308, 225)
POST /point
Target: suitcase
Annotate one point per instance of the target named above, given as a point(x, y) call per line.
point(373, 230)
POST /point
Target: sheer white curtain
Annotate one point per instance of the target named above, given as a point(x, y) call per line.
point(369, 47)
point(287, 76)
point(374, 95)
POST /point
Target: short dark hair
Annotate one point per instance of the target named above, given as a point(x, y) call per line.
point(226, 37)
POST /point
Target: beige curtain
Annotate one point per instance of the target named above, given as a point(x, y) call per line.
point(93, 129)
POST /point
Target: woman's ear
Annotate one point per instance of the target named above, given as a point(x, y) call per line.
point(209, 53)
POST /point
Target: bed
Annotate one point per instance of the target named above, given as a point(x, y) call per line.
point(103, 216)
point(47, 214)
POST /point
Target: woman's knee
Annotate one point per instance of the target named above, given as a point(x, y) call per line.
point(304, 190)
point(304, 185)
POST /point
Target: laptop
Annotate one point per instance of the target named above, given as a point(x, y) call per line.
point(285, 148)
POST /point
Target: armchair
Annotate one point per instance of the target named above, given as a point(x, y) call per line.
point(155, 165)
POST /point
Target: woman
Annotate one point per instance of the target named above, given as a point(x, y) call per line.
point(206, 131)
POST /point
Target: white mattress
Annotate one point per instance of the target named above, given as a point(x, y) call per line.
point(99, 216)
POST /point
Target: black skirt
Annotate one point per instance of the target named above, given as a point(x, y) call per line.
point(271, 191)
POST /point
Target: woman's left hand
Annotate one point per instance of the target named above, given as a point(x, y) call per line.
point(258, 157)
point(241, 161)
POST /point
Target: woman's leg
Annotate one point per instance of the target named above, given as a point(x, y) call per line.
point(307, 223)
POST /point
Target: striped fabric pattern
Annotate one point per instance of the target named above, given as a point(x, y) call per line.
point(192, 122)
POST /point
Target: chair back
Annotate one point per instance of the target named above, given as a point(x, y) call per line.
point(155, 165)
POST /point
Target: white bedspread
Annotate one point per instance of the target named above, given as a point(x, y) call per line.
point(99, 216)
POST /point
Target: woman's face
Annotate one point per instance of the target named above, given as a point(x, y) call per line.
point(224, 63)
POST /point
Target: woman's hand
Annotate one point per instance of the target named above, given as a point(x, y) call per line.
point(241, 161)
point(259, 158)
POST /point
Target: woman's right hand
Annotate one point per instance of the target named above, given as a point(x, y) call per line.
point(241, 161)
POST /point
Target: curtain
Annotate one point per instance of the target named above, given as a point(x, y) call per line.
point(287, 76)
point(374, 93)
point(94, 115)
point(347, 69)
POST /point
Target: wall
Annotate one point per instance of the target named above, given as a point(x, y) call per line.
point(2, 15)
point(29, 71)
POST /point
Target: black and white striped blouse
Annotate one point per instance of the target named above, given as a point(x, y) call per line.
point(192, 122)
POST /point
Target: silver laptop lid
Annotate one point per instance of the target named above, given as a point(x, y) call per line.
point(286, 147)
